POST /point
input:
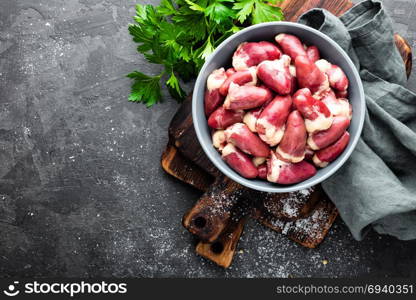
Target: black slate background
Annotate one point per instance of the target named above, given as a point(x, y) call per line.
point(81, 189)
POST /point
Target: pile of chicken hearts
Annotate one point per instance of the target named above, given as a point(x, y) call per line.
point(280, 111)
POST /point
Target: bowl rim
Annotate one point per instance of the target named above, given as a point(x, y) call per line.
point(279, 188)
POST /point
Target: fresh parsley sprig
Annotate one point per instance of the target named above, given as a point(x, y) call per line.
point(181, 34)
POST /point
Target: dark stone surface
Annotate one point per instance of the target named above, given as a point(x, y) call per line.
point(81, 189)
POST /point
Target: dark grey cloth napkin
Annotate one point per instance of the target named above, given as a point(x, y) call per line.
point(377, 185)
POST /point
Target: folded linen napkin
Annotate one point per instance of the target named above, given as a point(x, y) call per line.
point(377, 186)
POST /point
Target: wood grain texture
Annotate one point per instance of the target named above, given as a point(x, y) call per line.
point(175, 164)
point(293, 9)
point(405, 52)
point(309, 231)
point(290, 206)
point(223, 249)
point(183, 135)
point(211, 214)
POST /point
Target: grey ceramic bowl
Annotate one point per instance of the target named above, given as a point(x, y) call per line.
point(329, 50)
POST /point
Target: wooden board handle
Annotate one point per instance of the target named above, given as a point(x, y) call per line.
point(223, 249)
point(211, 214)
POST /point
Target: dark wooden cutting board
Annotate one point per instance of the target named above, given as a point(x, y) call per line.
point(218, 217)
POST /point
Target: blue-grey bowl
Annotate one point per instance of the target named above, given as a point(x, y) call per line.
point(329, 50)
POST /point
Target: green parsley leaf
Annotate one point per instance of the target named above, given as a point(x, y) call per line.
point(206, 49)
point(218, 12)
point(170, 36)
point(244, 7)
point(174, 87)
point(181, 34)
point(166, 8)
point(195, 6)
point(185, 70)
point(266, 13)
point(145, 88)
point(193, 23)
point(260, 11)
